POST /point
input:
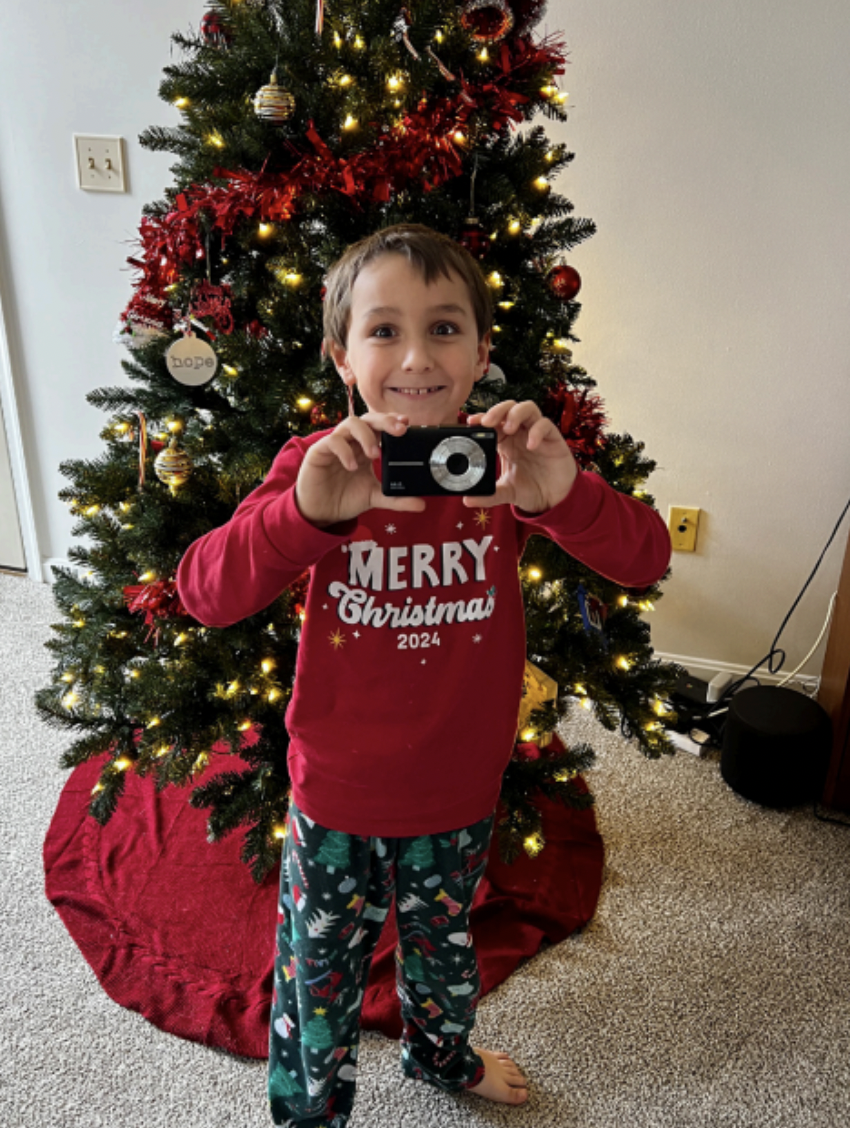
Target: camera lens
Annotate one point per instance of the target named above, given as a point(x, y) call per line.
point(457, 463)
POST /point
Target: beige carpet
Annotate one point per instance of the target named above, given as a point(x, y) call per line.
point(712, 989)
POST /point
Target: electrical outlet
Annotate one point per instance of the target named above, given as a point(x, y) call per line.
point(100, 163)
point(683, 522)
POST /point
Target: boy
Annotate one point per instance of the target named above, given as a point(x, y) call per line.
point(409, 670)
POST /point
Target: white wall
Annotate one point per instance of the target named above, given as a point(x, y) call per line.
point(712, 150)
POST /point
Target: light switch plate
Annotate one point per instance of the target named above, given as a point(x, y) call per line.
point(100, 163)
point(683, 523)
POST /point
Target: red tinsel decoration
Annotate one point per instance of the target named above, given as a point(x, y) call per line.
point(420, 150)
point(580, 416)
point(159, 600)
point(214, 301)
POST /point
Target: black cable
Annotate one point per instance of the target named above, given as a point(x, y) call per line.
point(716, 730)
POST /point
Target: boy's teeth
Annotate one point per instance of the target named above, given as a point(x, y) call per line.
point(416, 391)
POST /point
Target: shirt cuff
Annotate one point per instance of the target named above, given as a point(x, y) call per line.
point(297, 539)
point(574, 513)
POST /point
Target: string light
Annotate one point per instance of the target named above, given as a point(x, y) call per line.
point(121, 428)
point(514, 227)
point(232, 688)
point(267, 665)
point(181, 638)
point(395, 82)
point(70, 700)
point(148, 577)
point(563, 776)
point(69, 677)
point(495, 280)
point(350, 122)
point(292, 278)
point(246, 725)
point(123, 764)
point(217, 140)
point(280, 832)
point(304, 402)
point(528, 735)
point(230, 370)
point(585, 703)
point(535, 574)
point(541, 183)
point(181, 103)
point(548, 90)
point(623, 601)
point(337, 40)
point(533, 845)
point(153, 722)
point(581, 691)
point(483, 55)
point(624, 663)
point(273, 694)
point(265, 229)
point(345, 80)
point(358, 43)
point(506, 305)
point(438, 35)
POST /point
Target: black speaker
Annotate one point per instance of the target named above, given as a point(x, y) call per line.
point(776, 746)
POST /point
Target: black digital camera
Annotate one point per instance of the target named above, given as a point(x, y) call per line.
point(430, 461)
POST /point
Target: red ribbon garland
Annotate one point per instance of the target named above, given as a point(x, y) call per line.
point(580, 417)
point(420, 149)
point(159, 600)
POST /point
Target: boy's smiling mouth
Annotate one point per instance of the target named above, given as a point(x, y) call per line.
point(418, 391)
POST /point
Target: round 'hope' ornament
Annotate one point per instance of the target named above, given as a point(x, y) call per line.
point(191, 361)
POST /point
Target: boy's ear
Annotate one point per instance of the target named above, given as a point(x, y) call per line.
point(483, 360)
point(339, 356)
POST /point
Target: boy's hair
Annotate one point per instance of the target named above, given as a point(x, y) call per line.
point(428, 252)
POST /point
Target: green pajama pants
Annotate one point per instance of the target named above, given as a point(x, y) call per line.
point(335, 893)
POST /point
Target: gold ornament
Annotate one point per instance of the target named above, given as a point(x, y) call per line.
point(273, 104)
point(537, 690)
point(173, 465)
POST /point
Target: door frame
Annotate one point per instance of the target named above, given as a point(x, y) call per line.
point(17, 457)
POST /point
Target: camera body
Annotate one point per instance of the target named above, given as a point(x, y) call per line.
point(436, 461)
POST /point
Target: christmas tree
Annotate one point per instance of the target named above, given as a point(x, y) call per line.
point(301, 131)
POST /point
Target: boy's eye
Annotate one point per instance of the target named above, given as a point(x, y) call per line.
point(445, 328)
point(382, 331)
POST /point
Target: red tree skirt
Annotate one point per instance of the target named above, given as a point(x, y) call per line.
point(175, 928)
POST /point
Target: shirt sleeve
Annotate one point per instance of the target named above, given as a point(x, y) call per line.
point(240, 568)
point(617, 536)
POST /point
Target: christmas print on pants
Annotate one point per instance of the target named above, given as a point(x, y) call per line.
point(335, 893)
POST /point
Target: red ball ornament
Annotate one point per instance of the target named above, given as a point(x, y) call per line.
point(564, 282)
point(487, 21)
point(474, 238)
point(215, 31)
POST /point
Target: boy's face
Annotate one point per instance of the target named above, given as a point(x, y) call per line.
point(413, 347)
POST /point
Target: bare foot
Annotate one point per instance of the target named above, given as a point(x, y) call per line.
point(502, 1080)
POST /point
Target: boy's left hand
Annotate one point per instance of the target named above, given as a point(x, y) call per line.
point(538, 468)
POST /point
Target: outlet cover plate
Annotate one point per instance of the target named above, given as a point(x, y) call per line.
point(683, 522)
point(100, 163)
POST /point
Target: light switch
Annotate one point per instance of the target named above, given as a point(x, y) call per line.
point(100, 163)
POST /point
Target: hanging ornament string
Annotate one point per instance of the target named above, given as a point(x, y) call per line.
point(401, 30)
point(444, 70)
point(143, 449)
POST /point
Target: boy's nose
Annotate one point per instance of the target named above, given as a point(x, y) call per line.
point(418, 357)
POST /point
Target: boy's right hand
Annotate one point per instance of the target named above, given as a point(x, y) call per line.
point(336, 481)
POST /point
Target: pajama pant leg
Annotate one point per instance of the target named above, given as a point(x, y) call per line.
point(335, 891)
point(436, 969)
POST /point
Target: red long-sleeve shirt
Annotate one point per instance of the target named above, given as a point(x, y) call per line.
point(411, 658)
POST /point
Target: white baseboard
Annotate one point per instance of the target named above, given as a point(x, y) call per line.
point(699, 667)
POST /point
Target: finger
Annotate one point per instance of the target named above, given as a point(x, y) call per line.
point(363, 433)
point(399, 504)
point(496, 414)
point(521, 415)
point(539, 431)
point(378, 421)
point(504, 495)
